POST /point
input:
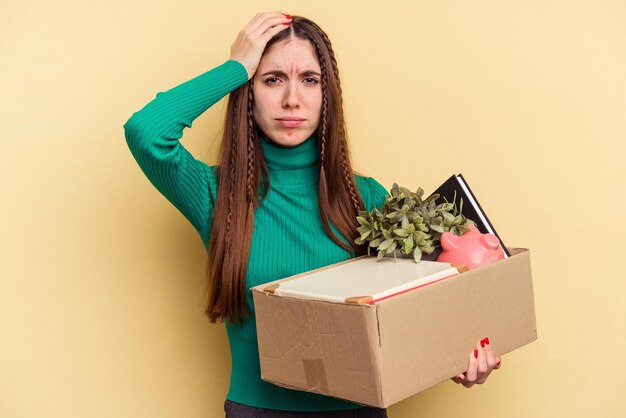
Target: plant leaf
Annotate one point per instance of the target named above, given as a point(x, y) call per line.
point(386, 244)
point(437, 228)
point(448, 216)
point(401, 233)
point(363, 229)
point(462, 229)
point(362, 221)
point(417, 255)
point(395, 191)
point(408, 245)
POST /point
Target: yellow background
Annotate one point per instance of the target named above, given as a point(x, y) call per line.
point(101, 279)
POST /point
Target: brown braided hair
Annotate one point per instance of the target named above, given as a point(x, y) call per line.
point(243, 178)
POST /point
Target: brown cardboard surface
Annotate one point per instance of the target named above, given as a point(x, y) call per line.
point(320, 347)
point(382, 353)
point(443, 322)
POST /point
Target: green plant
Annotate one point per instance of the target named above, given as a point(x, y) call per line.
point(409, 224)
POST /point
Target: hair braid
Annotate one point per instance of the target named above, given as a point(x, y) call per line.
point(342, 129)
point(334, 65)
point(233, 159)
point(251, 138)
point(324, 115)
point(335, 68)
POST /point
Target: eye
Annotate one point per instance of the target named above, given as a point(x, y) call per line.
point(271, 81)
point(311, 81)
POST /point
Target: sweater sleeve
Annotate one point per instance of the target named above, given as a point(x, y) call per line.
point(373, 193)
point(378, 193)
point(153, 134)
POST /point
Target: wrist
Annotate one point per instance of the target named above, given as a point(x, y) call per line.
point(248, 70)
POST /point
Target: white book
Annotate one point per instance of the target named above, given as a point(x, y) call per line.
point(364, 280)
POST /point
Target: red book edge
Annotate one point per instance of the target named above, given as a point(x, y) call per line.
point(413, 288)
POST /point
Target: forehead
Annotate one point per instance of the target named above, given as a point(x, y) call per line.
point(290, 54)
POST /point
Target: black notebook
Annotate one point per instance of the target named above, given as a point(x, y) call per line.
point(471, 207)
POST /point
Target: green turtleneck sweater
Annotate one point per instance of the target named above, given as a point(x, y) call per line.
point(288, 235)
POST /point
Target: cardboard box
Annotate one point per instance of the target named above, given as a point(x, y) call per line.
point(379, 354)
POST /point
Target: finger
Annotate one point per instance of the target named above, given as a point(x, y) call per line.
point(483, 369)
point(458, 378)
point(491, 359)
point(269, 34)
point(498, 363)
point(472, 369)
point(268, 24)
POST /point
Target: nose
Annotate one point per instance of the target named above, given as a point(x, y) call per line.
point(291, 99)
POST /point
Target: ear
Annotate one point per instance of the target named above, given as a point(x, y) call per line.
point(490, 241)
point(449, 241)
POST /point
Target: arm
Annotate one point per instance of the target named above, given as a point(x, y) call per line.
point(153, 134)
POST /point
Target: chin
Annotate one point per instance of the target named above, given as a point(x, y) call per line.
point(291, 139)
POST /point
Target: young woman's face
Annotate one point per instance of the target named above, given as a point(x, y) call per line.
point(288, 92)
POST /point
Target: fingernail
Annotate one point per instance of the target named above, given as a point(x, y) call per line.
point(486, 340)
point(289, 17)
point(475, 353)
point(482, 343)
point(286, 24)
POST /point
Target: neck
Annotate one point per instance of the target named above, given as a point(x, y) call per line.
point(292, 166)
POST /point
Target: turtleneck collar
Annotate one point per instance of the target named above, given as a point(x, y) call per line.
point(292, 166)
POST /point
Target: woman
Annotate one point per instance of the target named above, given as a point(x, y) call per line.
point(282, 197)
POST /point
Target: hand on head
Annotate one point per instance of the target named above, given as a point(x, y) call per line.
point(251, 40)
point(481, 363)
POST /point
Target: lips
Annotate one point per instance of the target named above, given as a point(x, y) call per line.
point(290, 121)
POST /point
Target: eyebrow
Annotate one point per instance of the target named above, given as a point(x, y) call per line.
point(283, 74)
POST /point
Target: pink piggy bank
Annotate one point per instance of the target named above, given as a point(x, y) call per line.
point(473, 249)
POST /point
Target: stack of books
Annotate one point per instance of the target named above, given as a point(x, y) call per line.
point(365, 280)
